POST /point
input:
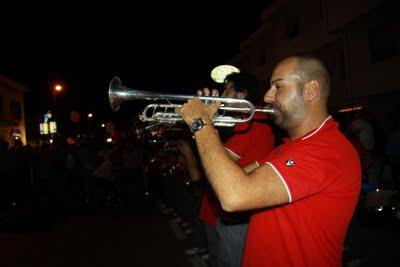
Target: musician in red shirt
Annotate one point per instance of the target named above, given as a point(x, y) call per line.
point(304, 193)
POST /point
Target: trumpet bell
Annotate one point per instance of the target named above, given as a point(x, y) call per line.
point(118, 93)
point(114, 93)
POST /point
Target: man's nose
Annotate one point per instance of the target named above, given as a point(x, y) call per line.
point(269, 96)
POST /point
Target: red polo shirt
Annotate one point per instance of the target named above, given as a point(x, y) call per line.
point(321, 172)
point(251, 141)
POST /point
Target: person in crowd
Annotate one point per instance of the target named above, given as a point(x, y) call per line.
point(103, 179)
point(362, 135)
point(362, 128)
point(4, 174)
point(86, 156)
point(205, 239)
point(305, 192)
point(226, 231)
point(392, 149)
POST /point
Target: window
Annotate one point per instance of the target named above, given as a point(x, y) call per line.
point(1, 107)
point(333, 56)
point(263, 60)
point(15, 109)
point(292, 29)
point(322, 9)
point(382, 41)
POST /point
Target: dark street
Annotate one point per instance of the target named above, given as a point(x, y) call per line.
point(144, 237)
point(373, 244)
point(96, 240)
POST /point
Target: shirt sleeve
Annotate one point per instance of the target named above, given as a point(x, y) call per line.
point(305, 171)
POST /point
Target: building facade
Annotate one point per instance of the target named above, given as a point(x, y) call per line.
point(12, 117)
point(359, 41)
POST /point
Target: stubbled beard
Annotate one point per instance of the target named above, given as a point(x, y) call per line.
point(287, 118)
point(278, 116)
point(292, 113)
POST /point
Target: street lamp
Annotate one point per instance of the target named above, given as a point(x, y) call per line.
point(57, 88)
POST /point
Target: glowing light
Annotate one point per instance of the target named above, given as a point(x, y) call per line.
point(380, 208)
point(58, 87)
point(109, 140)
point(53, 127)
point(219, 73)
point(103, 125)
point(90, 115)
point(350, 109)
point(51, 141)
point(44, 128)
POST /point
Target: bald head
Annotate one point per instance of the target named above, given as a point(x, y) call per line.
point(298, 94)
point(311, 68)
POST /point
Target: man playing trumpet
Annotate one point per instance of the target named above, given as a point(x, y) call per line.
point(304, 193)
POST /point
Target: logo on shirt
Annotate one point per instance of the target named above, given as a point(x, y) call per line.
point(290, 163)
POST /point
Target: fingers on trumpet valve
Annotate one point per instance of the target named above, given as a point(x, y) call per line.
point(207, 92)
point(214, 93)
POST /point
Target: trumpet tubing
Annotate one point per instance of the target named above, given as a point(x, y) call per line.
point(165, 112)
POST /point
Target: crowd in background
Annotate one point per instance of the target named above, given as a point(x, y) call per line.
point(67, 176)
point(378, 148)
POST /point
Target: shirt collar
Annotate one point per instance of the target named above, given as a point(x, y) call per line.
point(316, 130)
point(312, 132)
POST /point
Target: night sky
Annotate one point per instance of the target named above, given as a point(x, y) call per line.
point(152, 46)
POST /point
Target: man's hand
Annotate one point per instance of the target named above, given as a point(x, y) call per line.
point(195, 108)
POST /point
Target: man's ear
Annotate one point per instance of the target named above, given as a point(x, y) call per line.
point(311, 90)
point(242, 94)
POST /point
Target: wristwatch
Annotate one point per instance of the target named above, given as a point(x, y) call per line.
point(197, 124)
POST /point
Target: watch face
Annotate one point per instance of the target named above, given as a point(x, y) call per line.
point(197, 124)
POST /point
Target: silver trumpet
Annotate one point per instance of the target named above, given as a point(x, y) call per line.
point(165, 112)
